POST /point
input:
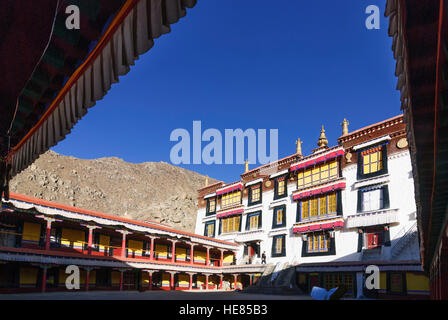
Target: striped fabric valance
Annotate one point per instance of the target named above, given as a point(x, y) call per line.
point(319, 226)
point(317, 160)
point(373, 150)
point(371, 188)
point(321, 190)
point(230, 213)
point(121, 45)
point(238, 186)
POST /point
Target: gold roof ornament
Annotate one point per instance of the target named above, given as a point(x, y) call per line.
point(246, 169)
point(323, 141)
point(299, 146)
point(206, 181)
point(344, 125)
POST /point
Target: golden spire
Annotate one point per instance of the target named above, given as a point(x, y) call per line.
point(246, 166)
point(344, 125)
point(322, 142)
point(299, 146)
point(206, 181)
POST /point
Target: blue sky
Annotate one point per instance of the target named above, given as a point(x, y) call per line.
point(286, 65)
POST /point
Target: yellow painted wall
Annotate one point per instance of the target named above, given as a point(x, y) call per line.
point(31, 232)
point(28, 276)
point(104, 243)
point(72, 236)
point(145, 279)
point(417, 283)
point(228, 259)
point(115, 277)
point(200, 280)
point(181, 254)
point(135, 247)
point(184, 281)
point(200, 257)
point(383, 280)
point(166, 279)
point(161, 251)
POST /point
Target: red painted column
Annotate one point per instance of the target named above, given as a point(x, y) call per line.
point(192, 254)
point(48, 235)
point(206, 281)
point(221, 261)
point(121, 280)
point(172, 281)
point(207, 261)
point(44, 279)
point(90, 243)
point(220, 281)
point(150, 280)
point(236, 281)
point(191, 281)
point(250, 279)
point(123, 246)
point(151, 257)
point(87, 278)
point(173, 252)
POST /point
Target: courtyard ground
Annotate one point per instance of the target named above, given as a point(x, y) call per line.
point(150, 295)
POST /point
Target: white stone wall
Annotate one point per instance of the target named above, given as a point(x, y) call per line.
point(401, 194)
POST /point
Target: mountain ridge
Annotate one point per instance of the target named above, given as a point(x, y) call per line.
point(147, 191)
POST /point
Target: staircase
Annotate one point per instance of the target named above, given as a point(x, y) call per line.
point(276, 279)
point(371, 254)
point(404, 240)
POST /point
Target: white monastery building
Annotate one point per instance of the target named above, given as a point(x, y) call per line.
point(326, 216)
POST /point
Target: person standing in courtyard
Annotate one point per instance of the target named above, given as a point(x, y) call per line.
point(263, 257)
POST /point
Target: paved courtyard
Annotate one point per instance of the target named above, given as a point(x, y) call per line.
point(150, 295)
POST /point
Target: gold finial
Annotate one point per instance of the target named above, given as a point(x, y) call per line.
point(344, 125)
point(322, 142)
point(246, 166)
point(299, 146)
point(206, 181)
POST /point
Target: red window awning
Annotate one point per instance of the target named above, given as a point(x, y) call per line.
point(319, 226)
point(234, 187)
point(230, 213)
point(320, 159)
point(325, 189)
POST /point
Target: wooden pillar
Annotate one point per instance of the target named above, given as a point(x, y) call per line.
point(173, 251)
point(87, 278)
point(90, 241)
point(207, 260)
point(192, 253)
point(206, 281)
point(44, 278)
point(250, 279)
point(221, 276)
point(151, 257)
point(221, 260)
point(150, 272)
point(236, 281)
point(191, 281)
point(172, 281)
point(121, 280)
point(123, 242)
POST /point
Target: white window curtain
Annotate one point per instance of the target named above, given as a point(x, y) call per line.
point(372, 200)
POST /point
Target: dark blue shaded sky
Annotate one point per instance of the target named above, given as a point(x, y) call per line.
point(287, 65)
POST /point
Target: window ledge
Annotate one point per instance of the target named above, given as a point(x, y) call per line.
point(384, 178)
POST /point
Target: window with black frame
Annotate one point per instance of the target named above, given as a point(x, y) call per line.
point(209, 229)
point(279, 217)
point(278, 246)
point(211, 206)
point(372, 162)
point(373, 198)
point(255, 194)
point(253, 221)
point(280, 187)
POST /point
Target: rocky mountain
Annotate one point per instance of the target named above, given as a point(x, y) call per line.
point(154, 191)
